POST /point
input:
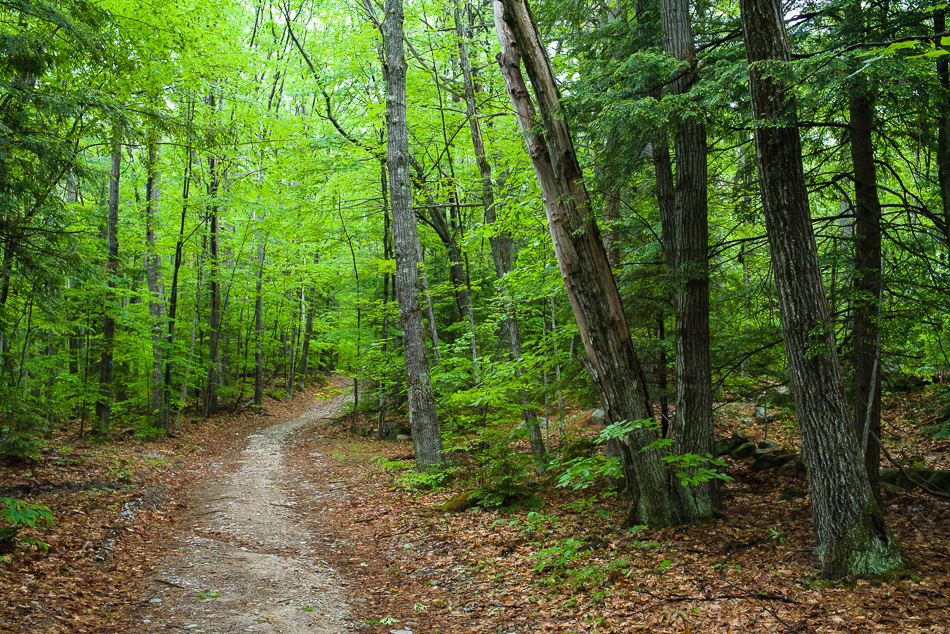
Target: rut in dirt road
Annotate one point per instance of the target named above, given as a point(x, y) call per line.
point(243, 561)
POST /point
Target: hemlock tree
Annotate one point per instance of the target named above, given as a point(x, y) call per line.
point(853, 539)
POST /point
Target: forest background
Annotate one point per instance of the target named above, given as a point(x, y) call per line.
point(204, 204)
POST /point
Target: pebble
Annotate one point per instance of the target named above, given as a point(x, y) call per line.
point(154, 600)
point(146, 621)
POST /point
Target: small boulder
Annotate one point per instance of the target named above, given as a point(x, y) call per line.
point(770, 460)
point(762, 414)
point(767, 445)
point(403, 438)
point(598, 417)
point(743, 451)
point(460, 502)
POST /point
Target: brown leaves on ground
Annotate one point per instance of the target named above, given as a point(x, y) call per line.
point(566, 568)
point(92, 577)
point(570, 568)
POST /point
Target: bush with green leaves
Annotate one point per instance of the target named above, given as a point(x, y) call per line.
point(691, 469)
point(21, 425)
point(15, 515)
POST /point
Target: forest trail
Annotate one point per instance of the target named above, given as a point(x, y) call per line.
point(241, 560)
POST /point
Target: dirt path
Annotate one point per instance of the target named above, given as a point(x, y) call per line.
point(243, 561)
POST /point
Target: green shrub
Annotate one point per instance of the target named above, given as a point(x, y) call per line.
point(16, 514)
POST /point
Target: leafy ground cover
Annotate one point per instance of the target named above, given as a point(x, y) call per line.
point(570, 566)
point(565, 566)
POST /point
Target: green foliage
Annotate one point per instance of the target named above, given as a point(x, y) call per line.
point(16, 515)
point(22, 426)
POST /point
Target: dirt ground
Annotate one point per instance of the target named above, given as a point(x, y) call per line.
point(288, 522)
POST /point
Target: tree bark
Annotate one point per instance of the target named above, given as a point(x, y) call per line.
point(156, 291)
point(943, 122)
point(690, 272)
point(851, 535)
point(426, 437)
point(209, 400)
point(106, 371)
point(502, 246)
point(595, 301)
point(867, 284)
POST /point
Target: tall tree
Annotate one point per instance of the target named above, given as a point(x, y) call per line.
point(688, 257)
point(591, 288)
point(426, 437)
point(106, 369)
point(853, 539)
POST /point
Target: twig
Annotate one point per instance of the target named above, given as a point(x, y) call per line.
point(170, 583)
point(745, 595)
point(370, 519)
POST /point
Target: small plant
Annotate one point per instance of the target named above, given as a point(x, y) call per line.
point(434, 480)
point(207, 595)
point(16, 514)
point(778, 537)
point(307, 608)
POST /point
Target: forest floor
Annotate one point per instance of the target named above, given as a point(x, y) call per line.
point(290, 523)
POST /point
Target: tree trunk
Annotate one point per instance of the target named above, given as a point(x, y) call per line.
point(173, 295)
point(426, 437)
point(867, 284)
point(690, 273)
point(384, 335)
point(209, 400)
point(943, 121)
point(611, 359)
point(156, 291)
point(852, 537)
point(106, 372)
point(500, 241)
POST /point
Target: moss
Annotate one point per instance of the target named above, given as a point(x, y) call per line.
point(457, 503)
point(868, 551)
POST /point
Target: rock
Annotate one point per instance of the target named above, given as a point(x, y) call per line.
point(768, 445)
point(770, 460)
point(728, 445)
point(792, 493)
point(890, 490)
point(403, 437)
point(762, 414)
point(156, 601)
point(780, 396)
point(743, 451)
point(461, 502)
point(598, 417)
point(788, 466)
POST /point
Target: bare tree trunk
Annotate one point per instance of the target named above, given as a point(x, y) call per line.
point(426, 437)
point(867, 284)
point(690, 271)
point(209, 400)
point(943, 120)
point(156, 291)
point(612, 361)
point(173, 296)
point(384, 335)
point(501, 242)
point(106, 371)
point(852, 537)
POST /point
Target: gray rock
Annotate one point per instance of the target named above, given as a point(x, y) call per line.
point(598, 417)
point(744, 450)
point(762, 414)
point(403, 437)
point(770, 460)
